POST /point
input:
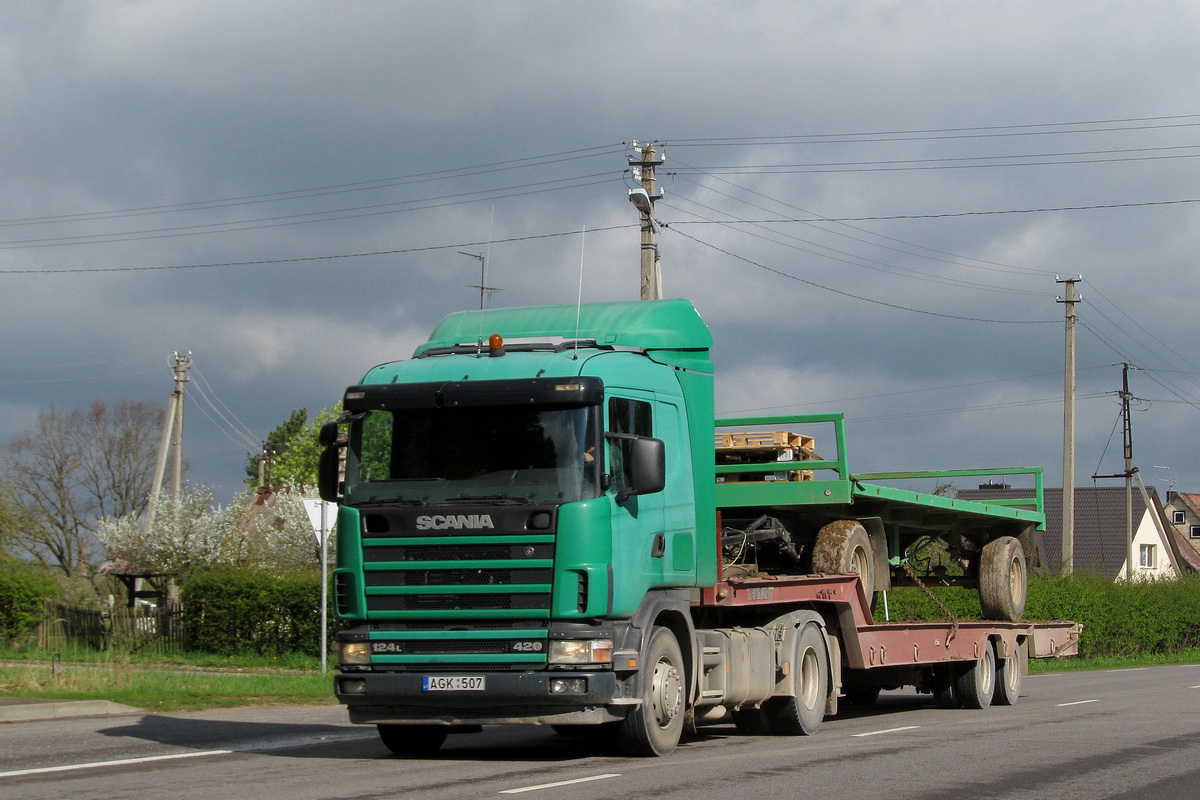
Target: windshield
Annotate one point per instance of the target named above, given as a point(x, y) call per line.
point(492, 454)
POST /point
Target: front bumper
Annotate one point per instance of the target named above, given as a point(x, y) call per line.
point(509, 698)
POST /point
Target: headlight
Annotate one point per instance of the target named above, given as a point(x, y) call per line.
point(581, 651)
point(355, 653)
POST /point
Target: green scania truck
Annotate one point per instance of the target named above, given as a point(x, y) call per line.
point(541, 521)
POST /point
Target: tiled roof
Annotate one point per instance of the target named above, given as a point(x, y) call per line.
point(1192, 501)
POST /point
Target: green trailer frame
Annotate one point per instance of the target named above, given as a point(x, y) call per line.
point(836, 492)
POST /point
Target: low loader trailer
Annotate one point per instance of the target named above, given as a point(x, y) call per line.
point(550, 526)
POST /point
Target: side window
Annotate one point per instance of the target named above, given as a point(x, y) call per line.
point(625, 416)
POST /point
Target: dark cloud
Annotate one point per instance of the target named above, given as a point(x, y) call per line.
point(331, 158)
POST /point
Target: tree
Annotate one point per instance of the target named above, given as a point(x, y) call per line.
point(74, 469)
point(259, 530)
point(276, 444)
point(296, 448)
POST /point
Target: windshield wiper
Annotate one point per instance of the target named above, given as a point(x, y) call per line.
point(496, 499)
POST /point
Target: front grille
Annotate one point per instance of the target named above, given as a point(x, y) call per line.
point(458, 577)
point(458, 602)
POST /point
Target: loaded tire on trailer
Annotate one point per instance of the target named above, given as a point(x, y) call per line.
point(802, 714)
point(976, 681)
point(843, 547)
point(1003, 582)
point(653, 728)
point(412, 740)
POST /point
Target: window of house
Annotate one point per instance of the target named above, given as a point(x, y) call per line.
point(1147, 556)
point(1178, 517)
point(1195, 531)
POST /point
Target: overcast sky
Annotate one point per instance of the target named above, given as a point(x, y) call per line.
point(869, 203)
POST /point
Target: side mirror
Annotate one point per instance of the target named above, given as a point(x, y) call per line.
point(646, 467)
point(329, 468)
point(328, 434)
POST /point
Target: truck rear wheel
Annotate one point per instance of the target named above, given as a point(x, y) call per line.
point(1003, 583)
point(412, 740)
point(653, 728)
point(802, 715)
point(844, 547)
point(976, 681)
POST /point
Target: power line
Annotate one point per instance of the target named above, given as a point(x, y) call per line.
point(979, 132)
point(303, 259)
point(855, 296)
point(951, 214)
point(319, 191)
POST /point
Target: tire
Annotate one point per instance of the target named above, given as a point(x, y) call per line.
point(1003, 581)
point(843, 547)
point(654, 727)
point(802, 715)
point(1008, 679)
point(975, 682)
point(412, 741)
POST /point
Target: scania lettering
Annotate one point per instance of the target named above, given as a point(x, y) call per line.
point(553, 528)
point(438, 522)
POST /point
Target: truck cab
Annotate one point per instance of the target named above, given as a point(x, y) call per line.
point(520, 505)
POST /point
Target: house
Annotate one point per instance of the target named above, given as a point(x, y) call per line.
point(1183, 512)
point(1101, 530)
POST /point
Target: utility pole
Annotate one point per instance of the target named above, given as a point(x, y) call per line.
point(643, 166)
point(1128, 474)
point(1068, 496)
point(182, 362)
point(172, 424)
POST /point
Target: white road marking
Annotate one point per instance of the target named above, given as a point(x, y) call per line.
point(118, 763)
point(889, 730)
point(561, 783)
point(1077, 703)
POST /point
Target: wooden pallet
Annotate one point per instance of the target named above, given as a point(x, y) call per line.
point(764, 447)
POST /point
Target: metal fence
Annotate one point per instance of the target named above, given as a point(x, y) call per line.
point(154, 628)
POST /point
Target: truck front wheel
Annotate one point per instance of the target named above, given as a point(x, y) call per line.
point(653, 728)
point(1003, 584)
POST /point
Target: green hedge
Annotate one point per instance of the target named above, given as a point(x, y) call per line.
point(22, 589)
point(1119, 619)
point(237, 611)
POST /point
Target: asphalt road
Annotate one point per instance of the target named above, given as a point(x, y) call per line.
point(1101, 735)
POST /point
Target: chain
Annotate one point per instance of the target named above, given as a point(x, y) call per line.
point(953, 620)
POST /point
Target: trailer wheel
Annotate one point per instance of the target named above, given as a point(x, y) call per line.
point(844, 547)
point(1008, 679)
point(802, 715)
point(412, 740)
point(653, 728)
point(1002, 579)
point(976, 682)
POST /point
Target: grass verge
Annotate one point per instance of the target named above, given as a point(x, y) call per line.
point(165, 689)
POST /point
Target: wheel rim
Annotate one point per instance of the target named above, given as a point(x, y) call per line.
point(810, 679)
point(1016, 580)
point(987, 674)
point(666, 692)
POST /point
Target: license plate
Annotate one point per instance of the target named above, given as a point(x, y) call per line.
point(453, 683)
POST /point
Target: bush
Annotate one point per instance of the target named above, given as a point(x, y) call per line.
point(1119, 619)
point(237, 611)
point(23, 587)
